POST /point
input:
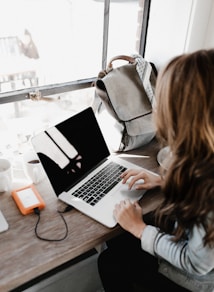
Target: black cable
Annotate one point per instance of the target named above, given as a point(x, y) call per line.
point(67, 208)
point(37, 212)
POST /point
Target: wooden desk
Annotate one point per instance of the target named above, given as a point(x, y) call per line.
point(24, 257)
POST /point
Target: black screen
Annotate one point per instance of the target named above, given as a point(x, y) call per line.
point(83, 133)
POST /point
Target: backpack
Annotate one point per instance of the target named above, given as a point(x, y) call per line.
point(124, 99)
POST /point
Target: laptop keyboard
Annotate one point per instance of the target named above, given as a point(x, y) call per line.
point(100, 184)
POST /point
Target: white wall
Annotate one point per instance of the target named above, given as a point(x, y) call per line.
point(178, 26)
point(200, 33)
point(209, 40)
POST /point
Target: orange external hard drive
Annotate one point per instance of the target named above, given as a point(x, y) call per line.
point(27, 199)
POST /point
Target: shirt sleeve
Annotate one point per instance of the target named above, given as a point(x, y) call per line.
point(191, 256)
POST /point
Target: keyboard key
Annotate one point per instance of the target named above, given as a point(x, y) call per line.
point(100, 184)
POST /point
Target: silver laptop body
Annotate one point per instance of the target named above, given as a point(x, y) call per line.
point(72, 153)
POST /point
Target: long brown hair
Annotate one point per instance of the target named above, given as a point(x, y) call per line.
point(185, 122)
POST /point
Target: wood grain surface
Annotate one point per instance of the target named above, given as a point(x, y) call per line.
point(23, 256)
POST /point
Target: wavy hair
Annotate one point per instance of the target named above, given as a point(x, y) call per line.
point(185, 122)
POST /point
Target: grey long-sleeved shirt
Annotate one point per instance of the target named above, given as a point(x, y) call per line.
point(190, 258)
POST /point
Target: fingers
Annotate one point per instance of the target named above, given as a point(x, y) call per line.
point(138, 182)
point(137, 176)
point(129, 173)
point(125, 207)
point(137, 206)
point(123, 204)
point(129, 216)
point(141, 179)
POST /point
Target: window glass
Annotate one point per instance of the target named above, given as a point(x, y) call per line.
point(51, 42)
point(123, 27)
point(21, 120)
point(46, 42)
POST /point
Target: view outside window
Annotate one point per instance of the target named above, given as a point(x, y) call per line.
point(46, 42)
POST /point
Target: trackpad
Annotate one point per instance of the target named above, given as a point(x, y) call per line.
point(133, 194)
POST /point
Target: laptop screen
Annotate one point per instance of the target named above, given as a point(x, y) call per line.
point(70, 149)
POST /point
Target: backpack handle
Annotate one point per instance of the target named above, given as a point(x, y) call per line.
point(129, 59)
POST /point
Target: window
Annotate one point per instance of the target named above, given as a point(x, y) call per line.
point(53, 44)
point(54, 49)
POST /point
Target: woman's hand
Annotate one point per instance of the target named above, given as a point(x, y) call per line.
point(129, 216)
point(146, 179)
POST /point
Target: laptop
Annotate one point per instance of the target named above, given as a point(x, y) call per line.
point(78, 162)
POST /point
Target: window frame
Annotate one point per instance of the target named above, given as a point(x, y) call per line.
point(37, 92)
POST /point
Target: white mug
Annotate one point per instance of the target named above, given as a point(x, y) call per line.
point(33, 167)
point(5, 175)
point(164, 157)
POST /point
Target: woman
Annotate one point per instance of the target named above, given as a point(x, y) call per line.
point(178, 252)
